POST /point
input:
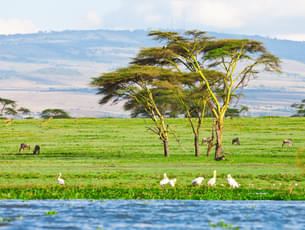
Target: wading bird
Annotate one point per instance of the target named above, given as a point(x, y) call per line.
point(60, 180)
point(232, 182)
point(173, 182)
point(165, 180)
point(197, 181)
point(212, 181)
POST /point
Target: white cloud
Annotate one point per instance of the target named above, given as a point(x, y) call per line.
point(237, 13)
point(276, 18)
point(218, 14)
point(292, 36)
point(92, 20)
point(16, 26)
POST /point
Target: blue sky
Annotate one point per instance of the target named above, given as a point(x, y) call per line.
point(272, 18)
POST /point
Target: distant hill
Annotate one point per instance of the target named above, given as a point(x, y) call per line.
point(94, 45)
point(58, 66)
point(284, 49)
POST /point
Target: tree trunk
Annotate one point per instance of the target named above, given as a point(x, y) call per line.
point(219, 133)
point(165, 145)
point(211, 142)
point(196, 142)
point(210, 146)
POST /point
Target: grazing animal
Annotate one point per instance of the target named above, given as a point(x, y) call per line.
point(24, 146)
point(60, 180)
point(8, 122)
point(235, 140)
point(206, 140)
point(197, 181)
point(287, 142)
point(232, 182)
point(220, 158)
point(212, 181)
point(173, 182)
point(36, 149)
point(165, 180)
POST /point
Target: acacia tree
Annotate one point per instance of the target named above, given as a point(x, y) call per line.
point(300, 107)
point(236, 112)
point(179, 94)
point(197, 103)
point(55, 113)
point(136, 83)
point(239, 59)
point(166, 102)
point(10, 111)
point(193, 97)
point(24, 111)
point(8, 106)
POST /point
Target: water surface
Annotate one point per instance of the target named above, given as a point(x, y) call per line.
point(151, 214)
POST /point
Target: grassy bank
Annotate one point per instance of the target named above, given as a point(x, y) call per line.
point(178, 193)
point(119, 158)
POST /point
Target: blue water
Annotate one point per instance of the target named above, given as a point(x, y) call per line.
point(151, 214)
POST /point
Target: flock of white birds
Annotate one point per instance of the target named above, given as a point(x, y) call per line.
point(198, 181)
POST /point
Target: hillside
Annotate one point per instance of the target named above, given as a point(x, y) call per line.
point(39, 70)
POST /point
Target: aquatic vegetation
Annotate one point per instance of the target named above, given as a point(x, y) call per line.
point(51, 213)
point(178, 193)
point(223, 224)
point(8, 219)
point(146, 203)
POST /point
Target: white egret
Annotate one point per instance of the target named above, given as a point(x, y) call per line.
point(232, 182)
point(212, 181)
point(173, 182)
point(60, 180)
point(165, 180)
point(197, 181)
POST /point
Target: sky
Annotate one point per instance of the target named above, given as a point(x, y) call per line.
point(282, 19)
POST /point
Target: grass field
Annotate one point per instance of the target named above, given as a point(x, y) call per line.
point(119, 158)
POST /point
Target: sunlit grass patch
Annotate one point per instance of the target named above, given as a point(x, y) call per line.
point(120, 155)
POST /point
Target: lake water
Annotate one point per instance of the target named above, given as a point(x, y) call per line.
point(151, 214)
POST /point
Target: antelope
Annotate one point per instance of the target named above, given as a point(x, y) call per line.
point(24, 146)
point(235, 140)
point(287, 142)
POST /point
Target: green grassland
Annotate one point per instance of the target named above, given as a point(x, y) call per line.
point(120, 158)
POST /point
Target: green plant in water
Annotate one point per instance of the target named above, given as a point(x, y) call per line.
point(51, 213)
point(146, 203)
point(8, 219)
point(223, 224)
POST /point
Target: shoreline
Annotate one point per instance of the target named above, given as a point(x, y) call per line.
point(187, 193)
